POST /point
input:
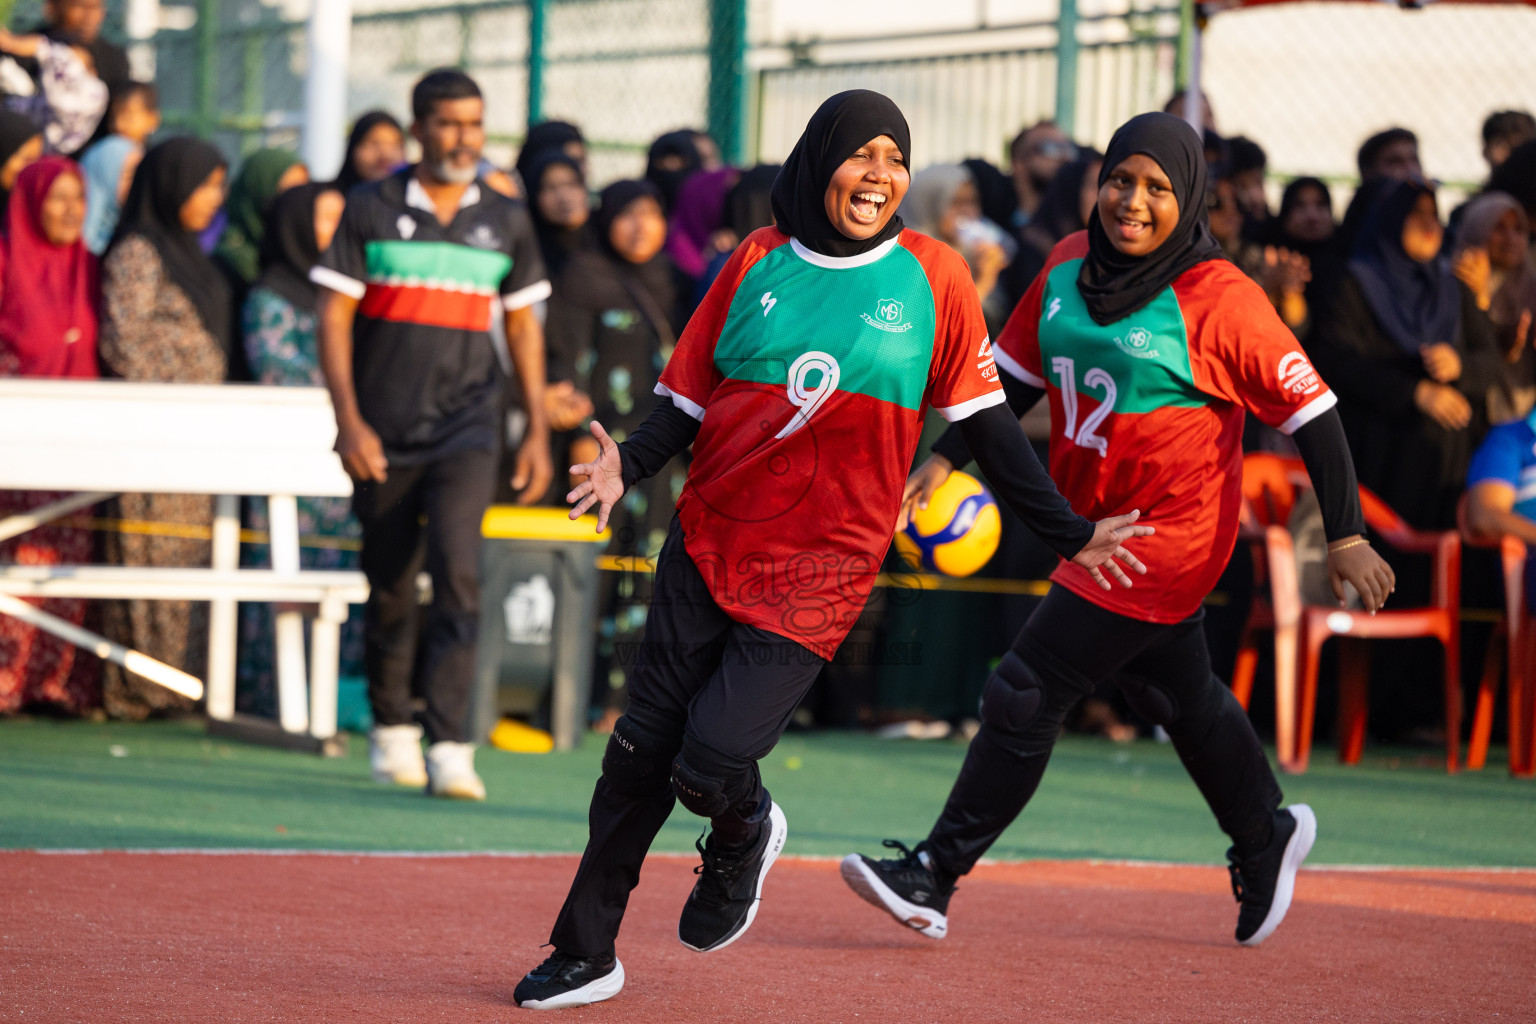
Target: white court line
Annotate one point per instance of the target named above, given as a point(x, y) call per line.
point(254, 851)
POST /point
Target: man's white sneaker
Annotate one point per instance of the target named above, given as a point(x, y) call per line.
point(394, 753)
point(451, 772)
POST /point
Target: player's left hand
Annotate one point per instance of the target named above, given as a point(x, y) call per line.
point(1099, 555)
point(1365, 570)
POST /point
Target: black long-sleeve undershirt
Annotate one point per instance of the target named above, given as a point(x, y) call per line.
point(1324, 451)
point(1010, 464)
point(666, 432)
point(1018, 478)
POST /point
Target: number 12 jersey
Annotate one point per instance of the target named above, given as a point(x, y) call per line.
point(1147, 412)
point(810, 376)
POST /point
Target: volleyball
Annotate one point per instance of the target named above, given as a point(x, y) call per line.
point(957, 533)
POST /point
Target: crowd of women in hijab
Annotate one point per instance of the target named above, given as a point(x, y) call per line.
point(133, 256)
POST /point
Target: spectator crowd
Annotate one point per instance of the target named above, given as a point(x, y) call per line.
point(127, 254)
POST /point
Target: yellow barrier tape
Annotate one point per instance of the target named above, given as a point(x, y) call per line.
point(621, 563)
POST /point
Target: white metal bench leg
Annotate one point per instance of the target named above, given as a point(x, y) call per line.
point(283, 522)
point(324, 666)
point(223, 613)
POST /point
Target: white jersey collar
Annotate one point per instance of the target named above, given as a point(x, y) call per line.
point(863, 259)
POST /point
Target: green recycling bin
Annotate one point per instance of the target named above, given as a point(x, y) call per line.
point(538, 610)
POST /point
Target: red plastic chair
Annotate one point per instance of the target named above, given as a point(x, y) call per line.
point(1511, 646)
point(1270, 484)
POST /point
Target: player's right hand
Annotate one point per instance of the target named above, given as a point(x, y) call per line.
point(602, 480)
point(361, 451)
point(1099, 555)
point(925, 479)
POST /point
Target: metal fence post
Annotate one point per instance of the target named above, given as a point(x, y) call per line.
point(1066, 67)
point(205, 86)
point(535, 61)
point(1186, 43)
point(728, 76)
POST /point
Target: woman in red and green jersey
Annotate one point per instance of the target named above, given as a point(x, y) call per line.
point(1150, 346)
point(801, 383)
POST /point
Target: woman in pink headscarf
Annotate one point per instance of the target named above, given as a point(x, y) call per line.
point(48, 296)
point(697, 217)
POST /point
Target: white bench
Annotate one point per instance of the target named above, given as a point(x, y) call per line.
point(113, 437)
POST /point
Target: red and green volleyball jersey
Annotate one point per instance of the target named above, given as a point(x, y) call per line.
point(810, 376)
point(1147, 412)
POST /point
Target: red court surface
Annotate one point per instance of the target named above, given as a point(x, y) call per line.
point(242, 937)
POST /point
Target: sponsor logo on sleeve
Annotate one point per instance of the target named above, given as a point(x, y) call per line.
point(1297, 375)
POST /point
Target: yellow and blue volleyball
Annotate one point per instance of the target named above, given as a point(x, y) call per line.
point(957, 533)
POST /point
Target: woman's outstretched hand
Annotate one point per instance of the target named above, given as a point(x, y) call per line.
point(601, 481)
point(1104, 548)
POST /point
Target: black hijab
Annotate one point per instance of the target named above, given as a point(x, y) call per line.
point(1061, 210)
point(1517, 176)
point(556, 243)
point(670, 182)
point(749, 203)
point(655, 276)
point(1115, 285)
point(999, 198)
point(834, 133)
point(1414, 303)
point(542, 138)
point(290, 250)
point(15, 131)
point(349, 178)
point(1276, 234)
point(166, 178)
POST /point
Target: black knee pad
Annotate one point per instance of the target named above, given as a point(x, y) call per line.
point(637, 759)
point(1013, 696)
point(1150, 700)
point(702, 793)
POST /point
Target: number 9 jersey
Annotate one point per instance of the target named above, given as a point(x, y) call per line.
point(810, 376)
point(1147, 412)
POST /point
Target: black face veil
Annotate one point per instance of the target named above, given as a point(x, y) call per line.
point(834, 133)
point(1115, 285)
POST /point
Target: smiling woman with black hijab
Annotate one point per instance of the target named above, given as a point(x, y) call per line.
point(165, 317)
point(1150, 346)
point(801, 383)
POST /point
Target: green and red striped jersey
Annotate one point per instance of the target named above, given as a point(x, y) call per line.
point(810, 376)
point(428, 381)
point(1147, 412)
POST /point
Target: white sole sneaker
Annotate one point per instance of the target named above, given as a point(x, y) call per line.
point(778, 831)
point(1285, 886)
point(605, 987)
point(924, 920)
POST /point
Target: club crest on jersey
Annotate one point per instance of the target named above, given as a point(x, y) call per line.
point(406, 225)
point(483, 237)
point(888, 317)
point(1137, 342)
point(1297, 375)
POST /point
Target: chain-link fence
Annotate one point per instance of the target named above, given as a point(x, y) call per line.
point(625, 70)
point(1311, 81)
point(971, 99)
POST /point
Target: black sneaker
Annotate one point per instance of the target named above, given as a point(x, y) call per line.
point(730, 886)
point(1264, 882)
point(904, 887)
point(564, 980)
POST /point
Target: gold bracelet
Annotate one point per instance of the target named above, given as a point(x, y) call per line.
point(1347, 545)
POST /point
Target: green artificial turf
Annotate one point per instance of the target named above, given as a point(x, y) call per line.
point(90, 785)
